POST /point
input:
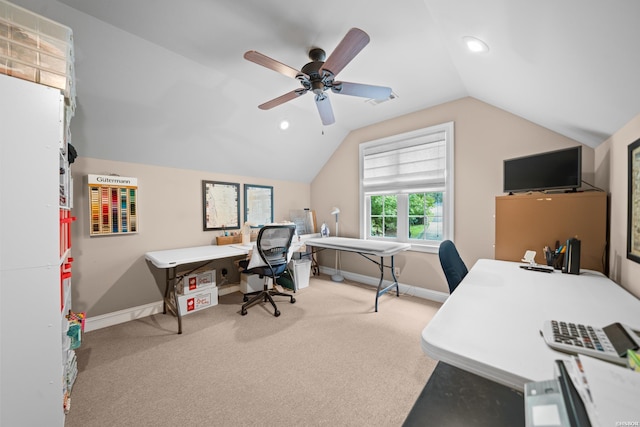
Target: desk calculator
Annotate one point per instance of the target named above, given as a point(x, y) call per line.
point(609, 343)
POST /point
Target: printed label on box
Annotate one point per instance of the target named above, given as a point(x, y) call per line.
point(198, 301)
point(200, 280)
point(197, 281)
point(194, 302)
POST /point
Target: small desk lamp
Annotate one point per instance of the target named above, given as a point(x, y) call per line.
point(336, 277)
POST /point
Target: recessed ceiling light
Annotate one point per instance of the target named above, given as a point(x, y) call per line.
point(284, 125)
point(475, 45)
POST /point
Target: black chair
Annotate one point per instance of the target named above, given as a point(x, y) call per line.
point(452, 265)
point(273, 247)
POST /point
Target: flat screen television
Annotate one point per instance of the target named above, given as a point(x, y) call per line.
point(560, 169)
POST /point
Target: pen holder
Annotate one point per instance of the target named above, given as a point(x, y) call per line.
point(554, 260)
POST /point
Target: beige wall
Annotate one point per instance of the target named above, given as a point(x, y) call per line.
point(484, 137)
point(110, 272)
point(611, 173)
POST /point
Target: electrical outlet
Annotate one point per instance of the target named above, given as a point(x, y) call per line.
point(396, 271)
point(224, 272)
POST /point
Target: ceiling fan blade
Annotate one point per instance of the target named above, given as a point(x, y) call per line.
point(365, 91)
point(325, 110)
point(272, 64)
point(347, 49)
point(282, 99)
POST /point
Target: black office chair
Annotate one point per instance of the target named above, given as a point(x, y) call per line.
point(452, 265)
point(273, 246)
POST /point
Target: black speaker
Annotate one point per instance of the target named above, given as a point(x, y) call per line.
point(572, 257)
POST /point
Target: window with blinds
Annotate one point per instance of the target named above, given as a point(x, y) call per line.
point(406, 187)
point(413, 162)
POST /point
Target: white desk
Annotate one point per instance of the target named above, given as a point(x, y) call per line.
point(364, 248)
point(175, 257)
point(172, 258)
point(490, 325)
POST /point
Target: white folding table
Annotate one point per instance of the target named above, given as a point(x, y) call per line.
point(491, 324)
point(172, 258)
point(366, 248)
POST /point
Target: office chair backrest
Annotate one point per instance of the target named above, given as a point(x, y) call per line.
point(452, 265)
point(273, 244)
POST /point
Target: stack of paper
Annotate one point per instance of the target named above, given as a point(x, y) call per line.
point(609, 392)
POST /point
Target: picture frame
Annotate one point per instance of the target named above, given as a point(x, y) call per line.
point(633, 203)
point(220, 205)
point(258, 204)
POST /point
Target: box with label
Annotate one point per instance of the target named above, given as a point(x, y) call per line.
point(196, 281)
point(204, 298)
point(253, 283)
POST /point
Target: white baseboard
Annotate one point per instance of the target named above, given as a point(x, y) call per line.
point(121, 316)
point(404, 289)
point(228, 289)
point(133, 313)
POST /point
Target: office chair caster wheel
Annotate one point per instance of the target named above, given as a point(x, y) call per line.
point(243, 311)
point(276, 313)
point(293, 300)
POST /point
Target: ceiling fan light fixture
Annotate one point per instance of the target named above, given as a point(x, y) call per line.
point(318, 75)
point(475, 45)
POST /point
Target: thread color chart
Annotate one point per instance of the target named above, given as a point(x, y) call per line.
point(113, 203)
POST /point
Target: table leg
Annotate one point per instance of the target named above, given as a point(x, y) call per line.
point(314, 262)
point(393, 274)
point(395, 281)
point(167, 282)
point(170, 299)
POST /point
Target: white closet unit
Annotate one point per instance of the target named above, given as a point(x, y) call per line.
point(34, 348)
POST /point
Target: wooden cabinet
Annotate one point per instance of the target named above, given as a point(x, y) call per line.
point(533, 221)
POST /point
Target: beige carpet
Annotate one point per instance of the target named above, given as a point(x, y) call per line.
point(328, 360)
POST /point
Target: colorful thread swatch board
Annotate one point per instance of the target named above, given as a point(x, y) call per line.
point(113, 204)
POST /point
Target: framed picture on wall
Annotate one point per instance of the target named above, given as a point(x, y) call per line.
point(220, 205)
point(633, 203)
point(113, 203)
point(258, 204)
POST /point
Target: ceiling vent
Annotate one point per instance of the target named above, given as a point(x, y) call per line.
point(380, 101)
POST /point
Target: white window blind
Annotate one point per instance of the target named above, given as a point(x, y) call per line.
point(415, 162)
point(403, 166)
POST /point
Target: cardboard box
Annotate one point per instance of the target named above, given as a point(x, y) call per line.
point(205, 298)
point(229, 240)
point(253, 283)
point(196, 281)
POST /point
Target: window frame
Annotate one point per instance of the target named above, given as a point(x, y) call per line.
point(403, 193)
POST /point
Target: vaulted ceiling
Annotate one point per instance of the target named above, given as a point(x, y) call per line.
point(570, 66)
